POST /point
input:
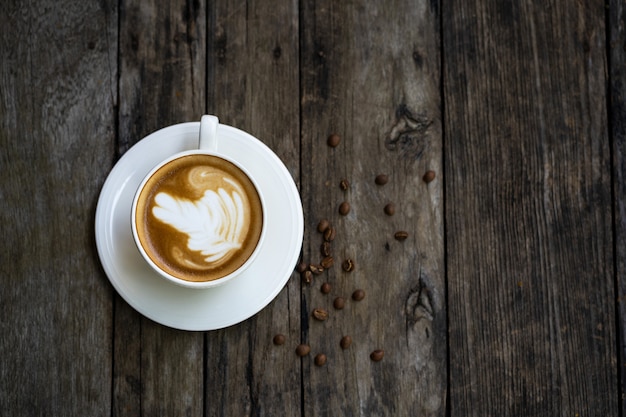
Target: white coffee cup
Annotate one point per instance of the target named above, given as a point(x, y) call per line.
point(198, 217)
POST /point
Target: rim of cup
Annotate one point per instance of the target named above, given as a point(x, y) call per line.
point(180, 281)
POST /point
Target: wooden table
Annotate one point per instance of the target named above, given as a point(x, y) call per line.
point(505, 299)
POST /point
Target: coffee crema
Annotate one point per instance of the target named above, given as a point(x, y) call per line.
point(199, 217)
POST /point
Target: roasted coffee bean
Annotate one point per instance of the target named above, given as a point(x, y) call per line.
point(327, 262)
point(333, 140)
point(381, 179)
point(358, 295)
point(339, 303)
point(320, 359)
point(302, 266)
point(390, 209)
point(401, 235)
point(344, 208)
point(345, 342)
point(344, 184)
point(303, 350)
point(320, 314)
point(316, 269)
point(348, 265)
point(429, 176)
point(307, 276)
point(325, 288)
point(377, 355)
point(329, 234)
point(279, 339)
point(323, 225)
point(325, 249)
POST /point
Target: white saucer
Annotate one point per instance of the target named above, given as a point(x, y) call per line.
point(199, 309)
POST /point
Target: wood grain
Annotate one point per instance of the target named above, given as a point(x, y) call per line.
point(371, 75)
point(253, 73)
point(158, 370)
point(617, 76)
point(528, 210)
point(55, 151)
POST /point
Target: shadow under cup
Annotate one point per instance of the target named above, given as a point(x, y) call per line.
point(198, 219)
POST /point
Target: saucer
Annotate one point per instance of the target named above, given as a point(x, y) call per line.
point(199, 309)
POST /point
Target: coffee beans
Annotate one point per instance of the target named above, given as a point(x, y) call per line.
point(381, 179)
point(333, 140)
point(316, 269)
point(377, 355)
point(279, 339)
point(329, 234)
point(344, 208)
point(401, 235)
point(320, 359)
point(327, 262)
point(339, 303)
point(307, 276)
point(325, 288)
point(323, 225)
point(344, 184)
point(348, 265)
point(345, 342)
point(358, 295)
point(429, 176)
point(303, 350)
point(390, 209)
point(320, 314)
point(301, 267)
point(325, 248)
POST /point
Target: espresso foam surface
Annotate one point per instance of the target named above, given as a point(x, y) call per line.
point(201, 218)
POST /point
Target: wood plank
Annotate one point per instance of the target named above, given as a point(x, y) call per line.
point(58, 83)
point(371, 75)
point(253, 85)
point(528, 209)
point(617, 74)
point(158, 370)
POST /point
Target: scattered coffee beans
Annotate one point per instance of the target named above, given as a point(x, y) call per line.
point(333, 140)
point(316, 269)
point(327, 262)
point(377, 355)
point(390, 209)
point(429, 176)
point(325, 288)
point(401, 235)
point(358, 295)
point(320, 359)
point(325, 248)
point(279, 339)
point(301, 267)
point(329, 234)
point(320, 314)
point(303, 350)
point(345, 342)
point(344, 184)
point(339, 303)
point(344, 208)
point(348, 265)
point(323, 225)
point(307, 276)
point(381, 179)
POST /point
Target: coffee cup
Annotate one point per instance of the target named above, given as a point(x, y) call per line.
point(198, 217)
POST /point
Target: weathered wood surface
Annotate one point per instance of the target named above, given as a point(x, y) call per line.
point(505, 299)
point(531, 301)
point(617, 119)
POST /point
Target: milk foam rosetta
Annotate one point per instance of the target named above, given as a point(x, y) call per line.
point(199, 217)
point(214, 223)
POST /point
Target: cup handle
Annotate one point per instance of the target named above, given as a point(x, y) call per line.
point(208, 133)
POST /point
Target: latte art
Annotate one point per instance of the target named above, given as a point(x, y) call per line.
point(199, 217)
point(214, 223)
